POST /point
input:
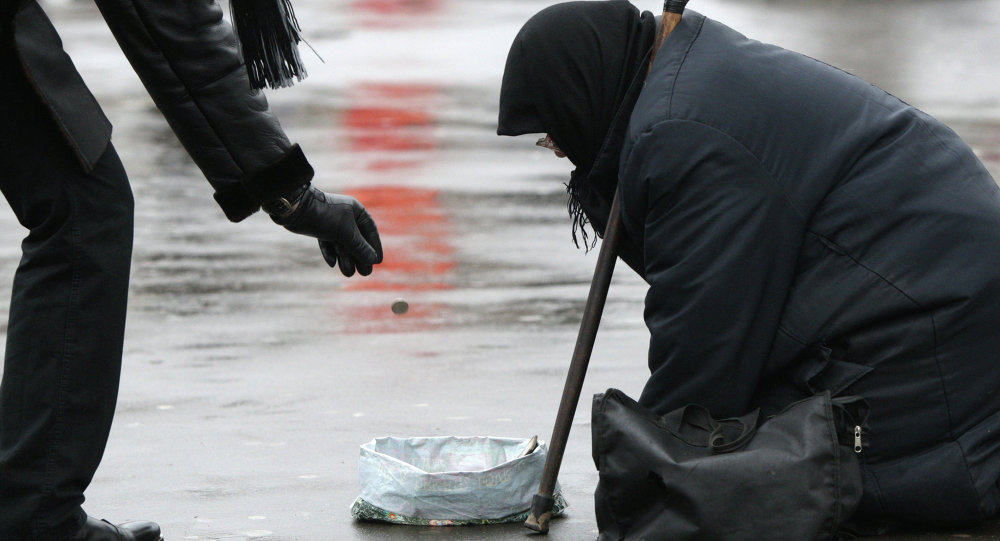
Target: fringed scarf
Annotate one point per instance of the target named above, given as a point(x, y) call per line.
point(269, 35)
point(573, 72)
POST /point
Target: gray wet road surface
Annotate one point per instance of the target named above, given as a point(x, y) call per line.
point(253, 372)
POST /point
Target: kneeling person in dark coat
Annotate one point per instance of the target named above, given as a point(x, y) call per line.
point(800, 230)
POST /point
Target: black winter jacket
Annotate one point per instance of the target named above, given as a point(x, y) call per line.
point(186, 56)
point(804, 230)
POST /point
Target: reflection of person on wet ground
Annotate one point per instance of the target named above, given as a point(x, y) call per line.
point(800, 230)
point(63, 179)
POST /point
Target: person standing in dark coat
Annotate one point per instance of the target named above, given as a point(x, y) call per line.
point(800, 229)
point(65, 183)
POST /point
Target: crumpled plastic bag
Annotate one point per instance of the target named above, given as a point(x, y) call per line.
point(449, 480)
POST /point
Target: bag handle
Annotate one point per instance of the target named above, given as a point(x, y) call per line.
point(695, 425)
point(734, 433)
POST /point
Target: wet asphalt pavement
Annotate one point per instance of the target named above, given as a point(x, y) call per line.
point(252, 372)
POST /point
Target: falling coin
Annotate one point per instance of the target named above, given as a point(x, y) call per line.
point(399, 307)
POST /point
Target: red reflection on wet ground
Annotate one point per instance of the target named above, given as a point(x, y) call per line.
point(419, 257)
point(391, 125)
point(382, 128)
point(389, 7)
point(394, 13)
point(415, 232)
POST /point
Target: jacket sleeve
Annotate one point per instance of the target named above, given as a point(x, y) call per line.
point(720, 242)
point(186, 56)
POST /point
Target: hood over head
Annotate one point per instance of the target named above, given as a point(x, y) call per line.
point(571, 70)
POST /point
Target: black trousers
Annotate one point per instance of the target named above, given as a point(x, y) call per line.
point(67, 316)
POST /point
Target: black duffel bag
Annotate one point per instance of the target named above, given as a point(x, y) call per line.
point(686, 476)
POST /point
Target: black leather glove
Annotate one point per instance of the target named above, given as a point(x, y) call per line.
point(347, 234)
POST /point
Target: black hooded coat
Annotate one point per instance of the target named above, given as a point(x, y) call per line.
point(802, 230)
point(580, 92)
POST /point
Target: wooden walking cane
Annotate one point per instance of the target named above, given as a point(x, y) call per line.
point(543, 501)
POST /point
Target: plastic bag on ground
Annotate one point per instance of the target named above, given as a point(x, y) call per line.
point(449, 480)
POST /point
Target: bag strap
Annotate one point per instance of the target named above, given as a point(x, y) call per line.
point(734, 433)
point(695, 425)
point(692, 424)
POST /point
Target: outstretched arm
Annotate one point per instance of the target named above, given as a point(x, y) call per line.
point(186, 55)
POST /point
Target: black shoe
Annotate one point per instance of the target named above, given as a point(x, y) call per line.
point(102, 530)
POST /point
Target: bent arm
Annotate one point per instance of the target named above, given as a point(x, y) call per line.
point(186, 56)
point(721, 242)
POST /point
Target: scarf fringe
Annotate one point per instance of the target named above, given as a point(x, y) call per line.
point(269, 35)
point(578, 216)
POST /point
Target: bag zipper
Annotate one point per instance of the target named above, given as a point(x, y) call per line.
point(855, 413)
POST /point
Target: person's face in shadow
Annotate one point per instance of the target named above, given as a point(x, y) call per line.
point(547, 142)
